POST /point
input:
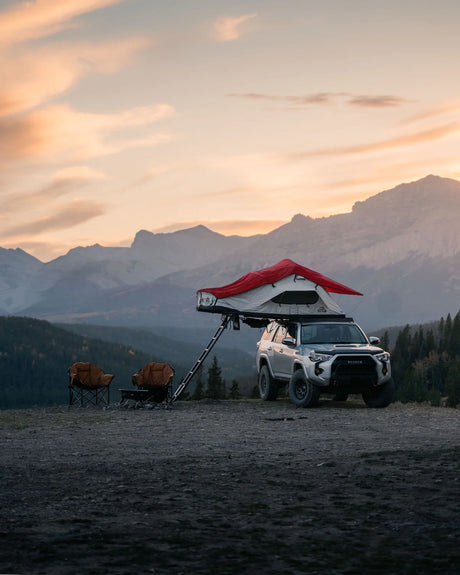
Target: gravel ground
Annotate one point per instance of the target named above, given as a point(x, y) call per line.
point(231, 487)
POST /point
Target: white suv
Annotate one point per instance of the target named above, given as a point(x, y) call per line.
point(327, 355)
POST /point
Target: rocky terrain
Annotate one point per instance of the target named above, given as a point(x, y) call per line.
point(231, 487)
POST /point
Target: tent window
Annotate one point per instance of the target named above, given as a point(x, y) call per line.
point(296, 297)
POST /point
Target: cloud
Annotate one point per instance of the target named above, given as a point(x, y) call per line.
point(37, 19)
point(318, 98)
point(382, 101)
point(65, 181)
point(231, 192)
point(151, 176)
point(420, 137)
point(79, 173)
point(227, 28)
point(59, 132)
point(68, 216)
point(329, 98)
point(444, 108)
point(29, 78)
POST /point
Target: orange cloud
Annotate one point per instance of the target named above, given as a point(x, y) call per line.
point(63, 182)
point(420, 137)
point(60, 131)
point(31, 20)
point(227, 28)
point(29, 78)
point(67, 216)
point(451, 107)
point(78, 173)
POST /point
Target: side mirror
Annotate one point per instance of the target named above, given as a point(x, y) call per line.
point(374, 340)
point(290, 341)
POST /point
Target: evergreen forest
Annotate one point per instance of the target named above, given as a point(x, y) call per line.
point(425, 362)
point(35, 357)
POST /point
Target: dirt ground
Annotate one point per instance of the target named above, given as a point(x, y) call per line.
point(230, 487)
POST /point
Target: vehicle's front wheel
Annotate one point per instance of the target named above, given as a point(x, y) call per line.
point(380, 396)
point(268, 387)
point(302, 392)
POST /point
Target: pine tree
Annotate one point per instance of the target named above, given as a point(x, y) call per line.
point(447, 333)
point(215, 389)
point(430, 342)
point(454, 344)
point(198, 393)
point(453, 384)
point(234, 391)
point(385, 341)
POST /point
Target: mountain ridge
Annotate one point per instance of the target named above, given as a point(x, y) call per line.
point(382, 247)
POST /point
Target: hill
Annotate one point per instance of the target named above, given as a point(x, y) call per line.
point(36, 355)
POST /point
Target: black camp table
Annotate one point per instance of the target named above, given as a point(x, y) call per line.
point(141, 395)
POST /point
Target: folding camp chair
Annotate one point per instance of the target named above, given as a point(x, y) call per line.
point(153, 383)
point(88, 385)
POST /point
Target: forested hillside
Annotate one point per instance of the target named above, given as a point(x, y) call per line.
point(35, 357)
point(426, 362)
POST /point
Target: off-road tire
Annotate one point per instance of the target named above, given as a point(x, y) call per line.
point(268, 386)
point(302, 392)
point(380, 396)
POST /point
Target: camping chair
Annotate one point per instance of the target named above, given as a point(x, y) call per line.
point(88, 385)
point(153, 383)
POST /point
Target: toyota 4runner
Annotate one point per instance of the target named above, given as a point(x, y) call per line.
point(331, 355)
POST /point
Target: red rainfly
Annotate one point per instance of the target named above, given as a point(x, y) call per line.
point(273, 274)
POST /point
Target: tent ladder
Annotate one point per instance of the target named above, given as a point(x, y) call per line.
point(188, 378)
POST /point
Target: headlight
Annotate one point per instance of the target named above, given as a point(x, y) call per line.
point(384, 357)
point(318, 357)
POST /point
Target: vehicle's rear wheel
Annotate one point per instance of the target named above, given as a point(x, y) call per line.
point(302, 392)
point(341, 396)
point(268, 387)
point(380, 396)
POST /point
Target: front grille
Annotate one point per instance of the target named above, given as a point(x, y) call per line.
point(355, 372)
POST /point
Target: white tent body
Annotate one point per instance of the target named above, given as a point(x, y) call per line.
point(292, 295)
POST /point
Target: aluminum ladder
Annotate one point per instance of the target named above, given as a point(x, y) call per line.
point(220, 330)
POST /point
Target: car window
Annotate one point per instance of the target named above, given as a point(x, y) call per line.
point(332, 333)
point(280, 334)
point(269, 331)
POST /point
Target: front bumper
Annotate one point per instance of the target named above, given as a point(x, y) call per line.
point(350, 373)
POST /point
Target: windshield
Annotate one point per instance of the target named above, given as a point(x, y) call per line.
point(332, 333)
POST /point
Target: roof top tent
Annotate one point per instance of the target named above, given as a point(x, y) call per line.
point(281, 291)
point(284, 290)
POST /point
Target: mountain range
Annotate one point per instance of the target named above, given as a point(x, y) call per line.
point(400, 248)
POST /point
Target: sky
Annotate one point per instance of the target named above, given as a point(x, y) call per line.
point(122, 115)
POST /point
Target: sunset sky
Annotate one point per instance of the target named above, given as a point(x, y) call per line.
point(121, 115)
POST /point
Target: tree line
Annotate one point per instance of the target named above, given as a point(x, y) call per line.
point(35, 356)
point(425, 362)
